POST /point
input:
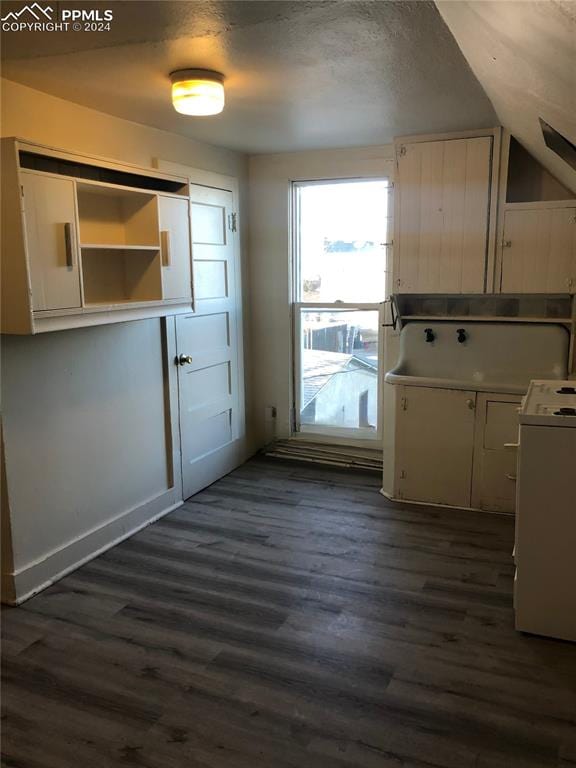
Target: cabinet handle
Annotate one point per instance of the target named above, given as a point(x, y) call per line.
point(515, 446)
point(470, 403)
point(165, 247)
point(68, 244)
point(511, 477)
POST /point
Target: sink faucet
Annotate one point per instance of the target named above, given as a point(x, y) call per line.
point(429, 335)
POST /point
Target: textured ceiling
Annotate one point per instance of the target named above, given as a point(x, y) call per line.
point(300, 75)
point(524, 55)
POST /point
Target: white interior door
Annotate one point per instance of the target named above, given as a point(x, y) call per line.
point(207, 342)
point(52, 243)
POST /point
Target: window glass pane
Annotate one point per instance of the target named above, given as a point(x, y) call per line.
point(339, 353)
point(341, 236)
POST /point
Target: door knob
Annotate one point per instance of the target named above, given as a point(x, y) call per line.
point(184, 360)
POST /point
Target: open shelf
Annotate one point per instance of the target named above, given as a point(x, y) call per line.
point(490, 319)
point(113, 218)
point(528, 181)
point(112, 247)
point(119, 276)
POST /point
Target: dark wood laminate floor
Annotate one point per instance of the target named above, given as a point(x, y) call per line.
point(289, 616)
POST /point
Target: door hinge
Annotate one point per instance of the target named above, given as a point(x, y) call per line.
point(402, 150)
point(402, 474)
point(22, 190)
point(404, 403)
point(233, 222)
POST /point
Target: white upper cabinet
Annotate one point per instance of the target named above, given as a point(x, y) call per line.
point(175, 247)
point(87, 241)
point(443, 193)
point(49, 207)
point(539, 250)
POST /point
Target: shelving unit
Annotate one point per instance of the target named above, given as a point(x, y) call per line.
point(120, 217)
point(86, 245)
point(536, 227)
point(120, 245)
point(114, 276)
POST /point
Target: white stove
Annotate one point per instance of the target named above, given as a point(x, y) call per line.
point(550, 403)
point(544, 591)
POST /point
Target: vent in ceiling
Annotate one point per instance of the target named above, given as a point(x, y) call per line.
point(559, 144)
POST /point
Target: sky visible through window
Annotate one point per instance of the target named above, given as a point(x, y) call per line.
point(342, 230)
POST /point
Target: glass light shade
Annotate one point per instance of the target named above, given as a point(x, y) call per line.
point(197, 93)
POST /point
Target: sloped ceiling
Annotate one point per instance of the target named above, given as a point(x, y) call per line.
point(300, 74)
point(524, 56)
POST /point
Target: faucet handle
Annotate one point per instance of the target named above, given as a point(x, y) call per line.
point(462, 335)
point(430, 336)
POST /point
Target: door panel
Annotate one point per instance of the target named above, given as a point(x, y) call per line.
point(210, 280)
point(52, 242)
point(493, 486)
point(209, 386)
point(541, 255)
point(176, 250)
point(443, 215)
point(209, 223)
point(562, 262)
point(435, 464)
point(214, 433)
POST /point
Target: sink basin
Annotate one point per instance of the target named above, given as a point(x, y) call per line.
point(494, 357)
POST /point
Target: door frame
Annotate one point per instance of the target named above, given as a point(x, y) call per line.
point(238, 449)
point(327, 434)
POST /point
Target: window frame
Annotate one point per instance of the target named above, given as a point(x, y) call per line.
point(352, 436)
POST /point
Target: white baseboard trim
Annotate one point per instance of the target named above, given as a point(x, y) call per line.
point(390, 497)
point(24, 583)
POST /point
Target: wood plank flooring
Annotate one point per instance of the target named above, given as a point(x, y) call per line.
point(289, 616)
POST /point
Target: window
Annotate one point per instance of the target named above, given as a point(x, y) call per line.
point(340, 262)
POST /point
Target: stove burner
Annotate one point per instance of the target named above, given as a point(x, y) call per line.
point(565, 412)
point(566, 391)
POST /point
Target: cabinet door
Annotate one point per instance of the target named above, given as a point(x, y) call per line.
point(443, 215)
point(176, 251)
point(539, 251)
point(434, 445)
point(494, 486)
point(51, 241)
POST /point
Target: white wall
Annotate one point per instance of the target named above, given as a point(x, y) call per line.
point(270, 274)
point(87, 454)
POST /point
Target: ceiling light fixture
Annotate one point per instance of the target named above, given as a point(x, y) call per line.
point(197, 92)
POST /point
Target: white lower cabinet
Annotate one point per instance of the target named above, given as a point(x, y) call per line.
point(495, 452)
point(456, 447)
point(434, 445)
